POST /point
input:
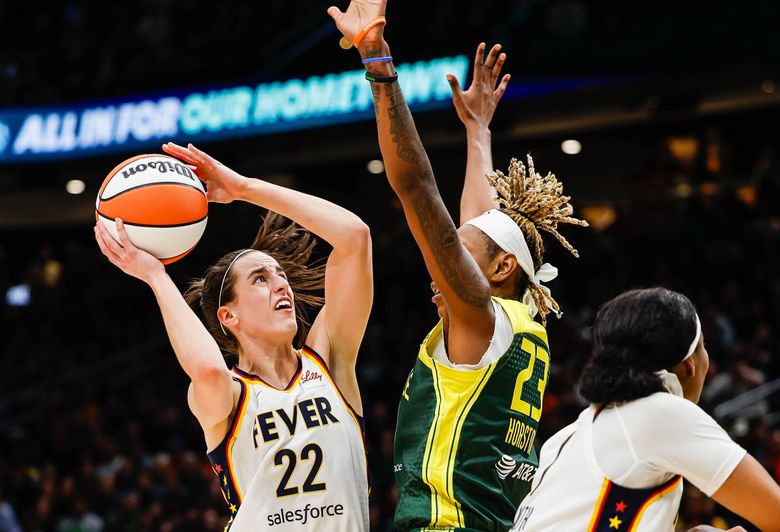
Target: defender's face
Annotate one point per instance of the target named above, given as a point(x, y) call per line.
point(474, 242)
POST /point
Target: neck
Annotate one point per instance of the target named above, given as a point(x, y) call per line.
point(504, 290)
point(275, 364)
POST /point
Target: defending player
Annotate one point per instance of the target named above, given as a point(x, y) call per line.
point(620, 466)
point(283, 427)
point(469, 411)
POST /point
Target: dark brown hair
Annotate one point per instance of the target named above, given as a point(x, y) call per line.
point(536, 203)
point(292, 247)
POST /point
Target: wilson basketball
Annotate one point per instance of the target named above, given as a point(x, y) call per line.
point(161, 201)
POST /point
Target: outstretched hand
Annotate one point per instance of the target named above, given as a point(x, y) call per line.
point(358, 14)
point(477, 105)
point(222, 183)
point(124, 255)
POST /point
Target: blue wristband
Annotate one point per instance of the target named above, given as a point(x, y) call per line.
point(376, 59)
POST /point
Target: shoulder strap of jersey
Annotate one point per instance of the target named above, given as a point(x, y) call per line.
point(521, 320)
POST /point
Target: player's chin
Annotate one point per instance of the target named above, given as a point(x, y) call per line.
point(289, 329)
point(285, 322)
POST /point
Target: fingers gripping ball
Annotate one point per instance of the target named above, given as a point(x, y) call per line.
point(161, 202)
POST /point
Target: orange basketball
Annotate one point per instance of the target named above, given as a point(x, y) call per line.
point(161, 202)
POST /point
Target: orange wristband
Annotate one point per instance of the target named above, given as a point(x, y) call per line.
point(378, 21)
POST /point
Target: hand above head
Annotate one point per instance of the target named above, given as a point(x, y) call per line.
point(477, 105)
point(358, 15)
point(223, 184)
point(124, 255)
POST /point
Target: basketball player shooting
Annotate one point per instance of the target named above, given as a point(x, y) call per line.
point(283, 427)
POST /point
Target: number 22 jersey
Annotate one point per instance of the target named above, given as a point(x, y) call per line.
point(294, 458)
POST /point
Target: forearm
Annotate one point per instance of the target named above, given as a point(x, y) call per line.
point(752, 493)
point(411, 177)
point(478, 196)
point(407, 166)
point(195, 348)
point(334, 224)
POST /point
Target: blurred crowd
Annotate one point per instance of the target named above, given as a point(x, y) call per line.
point(76, 49)
point(95, 433)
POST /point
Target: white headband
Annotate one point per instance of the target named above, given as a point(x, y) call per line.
point(670, 380)
point(505, 232)
point(222, 285)
point(696, 338)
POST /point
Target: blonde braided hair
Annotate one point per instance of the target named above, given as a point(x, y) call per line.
point(536, 203)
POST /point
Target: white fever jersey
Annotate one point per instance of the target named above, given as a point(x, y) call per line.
point(294, 459)
point(621, 469)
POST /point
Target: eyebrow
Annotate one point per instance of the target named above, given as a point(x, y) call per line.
point(264, 269)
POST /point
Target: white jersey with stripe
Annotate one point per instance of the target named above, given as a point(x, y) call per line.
point(294, 459)
point(621, 468)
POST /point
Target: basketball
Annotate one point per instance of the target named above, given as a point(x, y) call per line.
point(161, 201)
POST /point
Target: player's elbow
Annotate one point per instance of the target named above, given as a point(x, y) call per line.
point(210, 405)
point(360, 234)
point(210, 374)
point(353, 235)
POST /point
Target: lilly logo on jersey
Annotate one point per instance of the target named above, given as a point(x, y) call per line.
point(308, 376)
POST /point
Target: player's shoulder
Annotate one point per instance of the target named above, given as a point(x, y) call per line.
point(663, 410)
point(664, 401)
point(520, 318)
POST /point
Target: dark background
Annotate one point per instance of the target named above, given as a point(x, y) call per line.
point(678, 175)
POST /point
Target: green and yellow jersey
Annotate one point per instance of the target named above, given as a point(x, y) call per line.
point(464, 455)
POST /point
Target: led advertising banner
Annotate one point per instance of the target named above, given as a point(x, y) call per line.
point(144, 122)
point(34, 134)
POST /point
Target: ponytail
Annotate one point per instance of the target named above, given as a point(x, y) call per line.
point(635, 335)
point(613, 376)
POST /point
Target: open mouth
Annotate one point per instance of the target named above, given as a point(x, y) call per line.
point(283, 304)
point(436, 294)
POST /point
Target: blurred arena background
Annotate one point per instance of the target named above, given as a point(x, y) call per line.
point(660, 117)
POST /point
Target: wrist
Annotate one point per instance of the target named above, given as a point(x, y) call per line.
point(244, 188)
point(478, 130)
point(156, 278)
point(373, 45)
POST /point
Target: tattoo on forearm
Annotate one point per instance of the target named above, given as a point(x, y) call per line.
point(402, 129)
point(465, 279)
point(376, 90)
point(461, 274)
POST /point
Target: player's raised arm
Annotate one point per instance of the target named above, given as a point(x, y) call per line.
point(338, 329)
point(453, 269)
point(210, 396)
point(475, 108)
